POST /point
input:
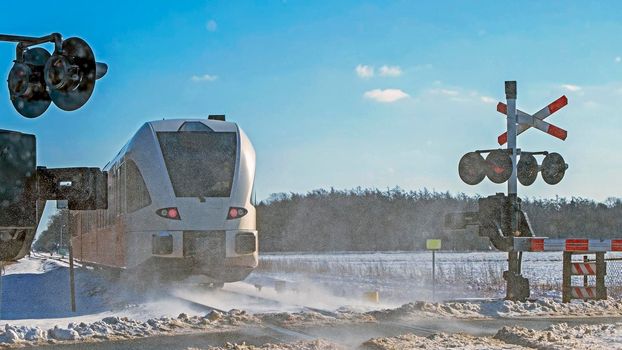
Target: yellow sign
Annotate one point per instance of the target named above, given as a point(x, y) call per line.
point(433, 244)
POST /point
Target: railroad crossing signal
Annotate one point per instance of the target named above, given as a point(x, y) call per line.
point(498, 165)
point(66, 77)
point(500, 217)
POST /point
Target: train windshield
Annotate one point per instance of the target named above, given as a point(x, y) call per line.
point(199, 164)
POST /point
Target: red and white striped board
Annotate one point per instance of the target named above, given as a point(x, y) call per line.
point(536, 244)
point(535, 120)
point(583, 292)
point(582, 269)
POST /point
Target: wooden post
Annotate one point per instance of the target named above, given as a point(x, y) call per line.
point(567, 277)
point(585, 260)
point(433, 276)
point(601, 271)
point(72, 284)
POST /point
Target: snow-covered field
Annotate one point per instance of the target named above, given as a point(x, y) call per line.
point(35, 307)
point(406, 276)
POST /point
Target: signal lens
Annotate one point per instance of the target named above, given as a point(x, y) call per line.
point(236, 213)
point(169, 213)
point(553, 168)
point(471, 168)
point(172, 213)
point(527, 169)
point(19, 79)
point(499, 166)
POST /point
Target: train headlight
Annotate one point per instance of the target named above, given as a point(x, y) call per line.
point(236, 213)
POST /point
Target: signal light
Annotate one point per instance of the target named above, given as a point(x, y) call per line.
point(67, 77)
point(27, 88)
point(236, 213)
point(471, 168)
point(498, 166)
point(169, 213)
point(527, 169)
point(70, 74)
point(553, 168)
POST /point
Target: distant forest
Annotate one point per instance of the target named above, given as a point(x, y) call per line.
point(394, 219)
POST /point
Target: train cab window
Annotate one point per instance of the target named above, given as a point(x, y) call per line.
point(199, 163)
point(137, 195)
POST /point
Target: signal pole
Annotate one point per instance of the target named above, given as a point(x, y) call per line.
point(510, 95)
point(514, 260)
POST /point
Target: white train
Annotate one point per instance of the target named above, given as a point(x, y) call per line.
point(179, 204)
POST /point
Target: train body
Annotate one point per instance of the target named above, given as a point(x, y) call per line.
point(179, 204)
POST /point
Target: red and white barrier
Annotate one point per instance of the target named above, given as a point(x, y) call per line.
point(529, 244)
point(536, 120)
point(583, 268)
point(583, 292)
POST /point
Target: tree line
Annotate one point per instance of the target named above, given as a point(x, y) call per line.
point(50, 239)
point(395, 219)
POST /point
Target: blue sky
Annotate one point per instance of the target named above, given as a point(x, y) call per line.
point(297, 76)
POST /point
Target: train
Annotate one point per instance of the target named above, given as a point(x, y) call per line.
point(179, 205)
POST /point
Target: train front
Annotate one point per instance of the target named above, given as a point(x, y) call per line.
point(201, 176)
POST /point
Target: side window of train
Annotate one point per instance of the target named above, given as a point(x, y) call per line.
point(112, 196)
point(121, 189)
point(137, 194)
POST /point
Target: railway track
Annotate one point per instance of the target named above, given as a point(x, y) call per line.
point(286, 334)
point(280, 302)
point(289, 334)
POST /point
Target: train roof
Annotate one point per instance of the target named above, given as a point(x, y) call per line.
point(176, 125)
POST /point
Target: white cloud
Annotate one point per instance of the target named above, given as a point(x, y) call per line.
point(211, 25)
point(446, 92)
point(204, 77)
point(420, 67)
point(459, 94)
point(487, 99)
point(618, 59)
point(390, 71)
point(386, 95)
point(364, 71)
point(570, 87)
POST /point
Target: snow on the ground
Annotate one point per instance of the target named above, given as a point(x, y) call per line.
point(561, 336)
point(437, 341)
point(487, 309)
point(300, 345)
point(35, 292)
point(35, 305)
point(114, 327)
point(556, 337)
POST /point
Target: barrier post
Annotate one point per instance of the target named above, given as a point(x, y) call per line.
point(433, 245)
point(72, 284)
point(601, 271)
point(566, 277)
